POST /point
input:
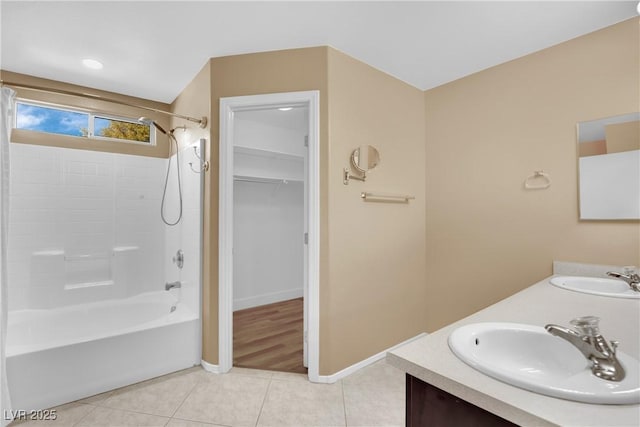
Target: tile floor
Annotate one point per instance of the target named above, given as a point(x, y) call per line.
point(373, 396)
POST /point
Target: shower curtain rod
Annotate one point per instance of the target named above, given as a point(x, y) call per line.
point(202, 121)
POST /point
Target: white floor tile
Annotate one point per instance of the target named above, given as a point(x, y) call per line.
point(160, 396)
point(373, 396)
point(230, 399)
point(107, 417)
point(374, 404)
point(293, 403)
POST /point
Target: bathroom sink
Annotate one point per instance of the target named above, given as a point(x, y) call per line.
point(596, 286)
point(529, 357)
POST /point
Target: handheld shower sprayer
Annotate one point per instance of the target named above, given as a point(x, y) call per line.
point(172, 138)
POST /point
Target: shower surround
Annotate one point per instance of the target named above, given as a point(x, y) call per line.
point(89, 257)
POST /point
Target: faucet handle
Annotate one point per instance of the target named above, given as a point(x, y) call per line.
point(614, 345)
point(178, 259)
point(632, 273)
point(587, 325)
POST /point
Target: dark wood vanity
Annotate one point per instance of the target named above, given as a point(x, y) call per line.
point(428, 406)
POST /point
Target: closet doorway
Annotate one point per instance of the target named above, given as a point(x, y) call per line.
point(268, 232)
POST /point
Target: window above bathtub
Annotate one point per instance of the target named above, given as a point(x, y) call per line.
point(59, 120)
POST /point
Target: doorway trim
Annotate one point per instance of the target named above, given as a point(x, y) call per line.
point(228, 106)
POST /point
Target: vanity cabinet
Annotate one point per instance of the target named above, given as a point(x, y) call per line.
point(428, 406)
point(429, 358)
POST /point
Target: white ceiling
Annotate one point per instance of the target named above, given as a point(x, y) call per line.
point(295, 119)
point(152, 49)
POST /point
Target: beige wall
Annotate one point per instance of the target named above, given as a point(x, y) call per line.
point(487, 237)
point(259, 73)
point(372, 255)
point(623, 136)
point(375, 293)
point(195, 101)
point(30, 137)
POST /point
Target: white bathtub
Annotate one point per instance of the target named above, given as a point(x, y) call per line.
point(60, 355)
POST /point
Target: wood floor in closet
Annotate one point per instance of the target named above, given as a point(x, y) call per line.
point(269, 337)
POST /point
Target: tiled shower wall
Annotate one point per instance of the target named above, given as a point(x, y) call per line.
point(84, 226)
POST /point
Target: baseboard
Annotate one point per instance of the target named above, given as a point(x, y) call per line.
point(214, 369)
point(330, 379)
point(258, 300)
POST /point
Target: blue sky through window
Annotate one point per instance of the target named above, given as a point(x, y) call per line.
point(51, 120)
point(100, 124)
point(58, 120)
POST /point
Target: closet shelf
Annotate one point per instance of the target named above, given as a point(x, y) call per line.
point(251, 151)
point(267, 166)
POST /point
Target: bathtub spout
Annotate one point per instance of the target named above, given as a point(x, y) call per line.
point(176, 284)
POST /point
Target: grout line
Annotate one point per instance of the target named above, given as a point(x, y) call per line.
point(199, 422)
point(93, 408)
point(139, 412)
point(195, 385)
point(344, 403)
point(263, 401)
point(111, 408)
point(186, 397)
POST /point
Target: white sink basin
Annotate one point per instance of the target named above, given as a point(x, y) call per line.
point(529, 357)
point(596, 286)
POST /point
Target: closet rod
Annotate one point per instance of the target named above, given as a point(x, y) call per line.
point(262, 180)
point(202, 121)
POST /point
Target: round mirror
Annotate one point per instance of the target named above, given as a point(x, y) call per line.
point(365, 158)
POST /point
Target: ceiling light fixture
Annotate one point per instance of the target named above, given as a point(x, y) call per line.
point(92, 63)
point(285, 108)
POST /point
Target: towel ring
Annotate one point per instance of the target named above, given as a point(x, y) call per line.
point(539, 186)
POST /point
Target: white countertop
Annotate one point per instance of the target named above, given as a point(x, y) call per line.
point(430, 359)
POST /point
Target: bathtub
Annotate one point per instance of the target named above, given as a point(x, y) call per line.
point(60, 355)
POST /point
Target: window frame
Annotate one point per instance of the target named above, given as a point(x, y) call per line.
point(91, 115)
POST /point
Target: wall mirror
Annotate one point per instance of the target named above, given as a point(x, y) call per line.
point(363, 159)
point(609, 168)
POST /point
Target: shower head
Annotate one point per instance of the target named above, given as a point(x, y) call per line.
point(148, 121)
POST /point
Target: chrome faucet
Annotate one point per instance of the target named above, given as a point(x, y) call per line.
point(176, 284)
point(630, 276)
point(587, 338)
